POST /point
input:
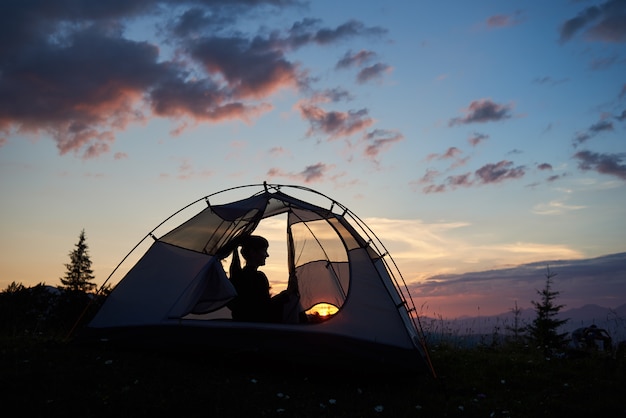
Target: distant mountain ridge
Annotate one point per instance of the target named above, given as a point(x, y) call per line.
point(611, 319)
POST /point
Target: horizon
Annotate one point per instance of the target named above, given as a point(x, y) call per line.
point(441, 304)
point(469, 137)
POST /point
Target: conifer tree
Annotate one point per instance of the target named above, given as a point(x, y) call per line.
point(518, 328)
point(543, 330)
point(79, 274)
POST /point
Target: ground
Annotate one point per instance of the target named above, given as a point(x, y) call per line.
point(46, 377)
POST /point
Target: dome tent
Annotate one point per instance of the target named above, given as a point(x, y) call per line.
point(177, 292)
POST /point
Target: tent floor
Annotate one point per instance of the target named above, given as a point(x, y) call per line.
point(270, 345)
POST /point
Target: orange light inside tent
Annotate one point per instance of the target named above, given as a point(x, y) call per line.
point(324, 310)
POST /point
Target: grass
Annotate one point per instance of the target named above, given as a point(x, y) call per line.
point(43, 377)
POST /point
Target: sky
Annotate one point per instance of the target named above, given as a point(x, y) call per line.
point(477, 139)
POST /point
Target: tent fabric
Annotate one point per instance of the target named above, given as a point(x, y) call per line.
point(152, 287)
point(180, 280)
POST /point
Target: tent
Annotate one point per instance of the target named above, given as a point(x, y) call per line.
point(353, 306)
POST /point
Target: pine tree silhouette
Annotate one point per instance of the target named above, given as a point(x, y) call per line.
point(79, 274)
point(543, 330)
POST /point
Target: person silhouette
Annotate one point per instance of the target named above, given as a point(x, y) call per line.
point(253, 301)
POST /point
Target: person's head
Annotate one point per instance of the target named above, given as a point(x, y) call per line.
point(254, 250)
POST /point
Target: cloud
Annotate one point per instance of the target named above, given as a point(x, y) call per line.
point(592, 131)
point(549, 81)
point(429, 176)
point(494, 291)
point(498, 21)
point(549, 179)
point(611, 164)
point(605, 22)
point(603, 63)
point(487, 174)
point(358, 59)
point(555, 207)
point(335, 95)
point(278, 152)
point(496, 173)
point(200, 19)
point(200, 100)
point(426, 249)
point(373, 72)
point(452, 152)
point(460, 180)
point(252, 68)
point(307, 31)
point(502, 20)
point(545, 166)
point(380, 140)
point(334, 124)
point(311, 174)
point(73, 73)
point(187, 171)
point(483, 110)
point(80, 92)
point(434, 188)
point(477, 138)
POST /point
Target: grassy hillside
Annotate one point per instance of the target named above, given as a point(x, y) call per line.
point(50, 378)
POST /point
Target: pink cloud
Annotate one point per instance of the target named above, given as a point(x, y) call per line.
point(380, 140)
point(452, 152)
point(434, 188)
point(429, 176)
point(187, 170)
point(79, 80)
point(477, 138)
point(250, 68)
point(334, 124)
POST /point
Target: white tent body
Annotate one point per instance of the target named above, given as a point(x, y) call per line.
point(179, 290)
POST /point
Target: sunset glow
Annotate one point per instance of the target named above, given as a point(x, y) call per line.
point(479, 137)
point(324, 310)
